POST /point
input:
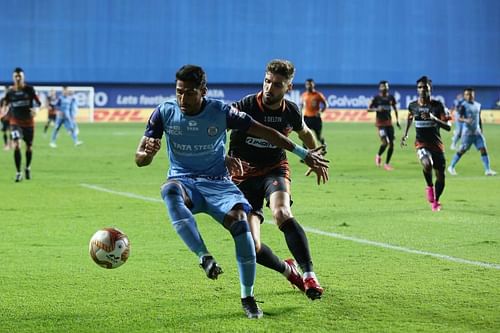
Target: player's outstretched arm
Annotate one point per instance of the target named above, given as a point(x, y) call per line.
point(443, 124)
point(147, 149)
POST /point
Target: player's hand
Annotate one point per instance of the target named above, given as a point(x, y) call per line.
point(398, 125)
point(403, 140)
point(236, 166)
point(432, 116)
point(152, 146)
point(317, 164)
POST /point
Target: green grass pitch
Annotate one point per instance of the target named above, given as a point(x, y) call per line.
point(48, 283)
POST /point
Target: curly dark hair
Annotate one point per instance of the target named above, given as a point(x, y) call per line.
point(282, 67)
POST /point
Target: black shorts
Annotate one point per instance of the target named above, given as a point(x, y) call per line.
point(20, 132)
point(51, 117)
point(438, 159)
point(256, 189)
point(314, 123)
point(386, 132)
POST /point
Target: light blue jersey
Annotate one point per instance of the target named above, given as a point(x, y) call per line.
point(471, 110)
point(67, 106)
point(196, 144)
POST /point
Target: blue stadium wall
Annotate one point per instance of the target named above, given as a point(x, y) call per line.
point(355, 42)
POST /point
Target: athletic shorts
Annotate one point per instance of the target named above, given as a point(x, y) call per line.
point(215, 197)
point(437, 157)
point(386, 131)
point(314, 123)
point(67, 122)
point(473, 139)
point(256, 189)
point(20, 132)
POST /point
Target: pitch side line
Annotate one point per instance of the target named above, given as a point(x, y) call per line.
point(330, 234)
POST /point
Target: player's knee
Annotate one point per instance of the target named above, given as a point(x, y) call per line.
point(239, 227)
point(281, 214)
point(171, 189)
point(257, 245)
point(483, 151)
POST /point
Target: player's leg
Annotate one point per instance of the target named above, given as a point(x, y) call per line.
point(28, 135)
point(457, 133)
point(439, 165)
point(59, 122)
point(5, 126)
point(296, 239)
point(179, 205)
point(384, 141)
point(70, 126)
point(390, 150)
point(16, 135)
point(425, 159)
point(480, 144)
point(319, 133)
point(467, 141)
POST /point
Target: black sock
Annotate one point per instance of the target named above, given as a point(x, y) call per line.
point(439, 188)
point(29, 155)
point(17, 159)
point(5, 138)
point(381, 149)
point(428, 178)
point(297, 243)
point(389, 154)
point(267, 258)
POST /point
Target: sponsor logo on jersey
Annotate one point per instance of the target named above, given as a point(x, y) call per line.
point(259, 143)
point(212, 131)
point(173, 130)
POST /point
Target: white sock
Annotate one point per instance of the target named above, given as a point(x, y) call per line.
point(309, 275)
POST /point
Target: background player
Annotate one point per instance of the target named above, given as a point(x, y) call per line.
point(457, 132)
point(265, 173)
point(470, 115)
point(198, 180)
point(66, 104)
point(21, 98)
point(51, 110)
point(429, 116)
point(313, 104)
point(382, 104)
point(4, 119)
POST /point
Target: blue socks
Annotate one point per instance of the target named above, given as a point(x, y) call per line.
point(455, 160)
point(486, 162)
point(245, 256)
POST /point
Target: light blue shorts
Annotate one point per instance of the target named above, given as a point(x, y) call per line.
point(215, 197)
point(473, 139)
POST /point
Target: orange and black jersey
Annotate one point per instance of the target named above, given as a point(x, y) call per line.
point(260, 154)
point(383, 118)
point(427, 131)
point(20, 103)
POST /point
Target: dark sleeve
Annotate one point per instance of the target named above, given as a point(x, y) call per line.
point(296, 118)
point(35, 97)
point(154, 128)
point(236, 119)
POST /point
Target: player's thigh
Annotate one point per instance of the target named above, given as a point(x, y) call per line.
point(253, 190)
point(425, 158)
point(279, 197)
point(439, 161)
point(390, 133)
point(467, 141)
point(479, 142)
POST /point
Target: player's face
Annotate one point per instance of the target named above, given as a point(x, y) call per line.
point(18, 78)
point(309, 86)
point(424, 90)
point(383, 88)
point(189, 96)
point(274, 88)
point(469, 95)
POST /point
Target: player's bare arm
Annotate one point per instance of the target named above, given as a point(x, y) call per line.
point(395, 108)
point(147, 149)
point(443, 124)
point(409, 121)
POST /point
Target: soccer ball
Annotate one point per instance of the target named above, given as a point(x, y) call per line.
point(109, 248)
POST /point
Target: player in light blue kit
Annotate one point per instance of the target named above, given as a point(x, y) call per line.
point(198, 180)
point(470, 115)
point(66, 105)
point(459, 125)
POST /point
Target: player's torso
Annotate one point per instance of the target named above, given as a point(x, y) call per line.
point(196, 143)
point(472, 111)
point(21, 102)
point(383, 118)
point(66, 104)
point(258, 151)
point(427, 130)
point(312, 102)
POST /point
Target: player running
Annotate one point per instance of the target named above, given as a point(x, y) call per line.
point(429, 116)
point(21, 98)
point(4, 119)
point(458, 124)
point(51, 110)
point(198, 180)
point(382, 104)
point(265, 174)
point(470, 115)
point(313, 104)
point(66, 103)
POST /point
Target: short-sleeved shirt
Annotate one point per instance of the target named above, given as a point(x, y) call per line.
point(20, 103)
point(383, 118)
point(67, 105)
point(427, 131)
point(471, 110)
point(312, 103)
point(260, 154)
point(196, 144)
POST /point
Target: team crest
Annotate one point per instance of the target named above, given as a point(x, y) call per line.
point(212, 131)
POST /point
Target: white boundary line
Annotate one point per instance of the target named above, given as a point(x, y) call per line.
point(331, 234)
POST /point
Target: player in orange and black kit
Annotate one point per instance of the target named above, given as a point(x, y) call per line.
point(20, 98)
point(264, 174)
point(4, 119)
point(382, 105)
point(429, 116)
point(51, 110)
point(313, 104)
